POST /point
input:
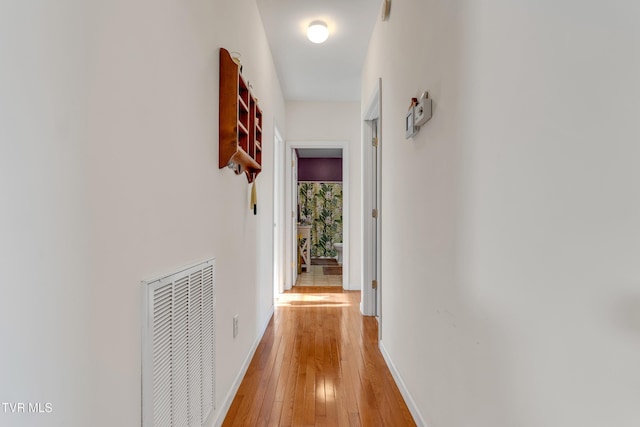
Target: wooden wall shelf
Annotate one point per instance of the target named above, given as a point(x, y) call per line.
point(240, 126)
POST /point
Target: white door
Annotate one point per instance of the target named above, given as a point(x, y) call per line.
point(294, 214)
point(278, 215)
point(372, 294)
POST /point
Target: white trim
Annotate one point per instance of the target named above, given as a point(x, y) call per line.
point(373, 109)
point(346, 194)
point(408, 398)
point(228, 400)
point(279, 265)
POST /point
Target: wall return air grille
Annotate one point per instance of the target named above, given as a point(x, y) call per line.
point(178, 348)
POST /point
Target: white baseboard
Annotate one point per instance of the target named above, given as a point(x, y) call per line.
point(413, 408)
point(221, 413)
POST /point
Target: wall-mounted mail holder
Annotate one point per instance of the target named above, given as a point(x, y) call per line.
point(419, 113)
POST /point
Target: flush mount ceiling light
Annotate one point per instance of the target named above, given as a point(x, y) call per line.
point(318, 32)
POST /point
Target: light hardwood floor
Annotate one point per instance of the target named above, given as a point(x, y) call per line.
point(318, 364)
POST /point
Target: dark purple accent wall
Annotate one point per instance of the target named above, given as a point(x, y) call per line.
point(320, 170)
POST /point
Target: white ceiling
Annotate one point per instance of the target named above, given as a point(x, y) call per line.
point(319, 72)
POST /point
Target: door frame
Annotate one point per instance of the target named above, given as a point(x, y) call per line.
point(291, 237)
point(370, 305)
point(279, 269)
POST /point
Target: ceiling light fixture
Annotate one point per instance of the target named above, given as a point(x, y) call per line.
point(318, 32)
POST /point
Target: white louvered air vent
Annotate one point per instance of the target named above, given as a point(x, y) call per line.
point(178, 363)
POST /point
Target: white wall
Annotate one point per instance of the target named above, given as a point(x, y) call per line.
point(109, 176)
point(511, 222)
point(335, 121)
point(45, 264)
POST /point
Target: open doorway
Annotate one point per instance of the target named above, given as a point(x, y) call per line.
point(322, 227)
point(319, 216)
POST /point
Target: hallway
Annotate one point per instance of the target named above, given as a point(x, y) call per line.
point(318, 364)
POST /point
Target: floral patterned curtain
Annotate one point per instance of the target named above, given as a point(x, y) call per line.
point(321, 207)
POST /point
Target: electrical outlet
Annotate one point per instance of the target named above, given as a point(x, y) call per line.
point(235, 325)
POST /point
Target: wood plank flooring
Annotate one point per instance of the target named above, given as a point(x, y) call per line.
point(318, 364)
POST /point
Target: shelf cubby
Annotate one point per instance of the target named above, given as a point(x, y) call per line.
point(240, 121)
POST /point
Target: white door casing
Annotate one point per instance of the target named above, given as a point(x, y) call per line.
point(279, 266)
point(291, 202)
